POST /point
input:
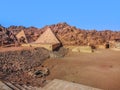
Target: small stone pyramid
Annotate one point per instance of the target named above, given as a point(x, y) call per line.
point(48, 37)
point(22, 34)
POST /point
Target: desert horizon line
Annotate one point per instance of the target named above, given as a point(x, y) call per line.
point(28, 26)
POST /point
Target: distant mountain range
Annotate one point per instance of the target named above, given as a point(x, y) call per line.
point(68, 35)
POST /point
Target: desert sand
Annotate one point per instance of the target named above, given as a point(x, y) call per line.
point(100, 69)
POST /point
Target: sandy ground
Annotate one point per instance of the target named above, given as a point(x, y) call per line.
point(14, 49)
point(100, 69)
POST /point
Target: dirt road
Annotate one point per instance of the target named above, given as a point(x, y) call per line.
point(100, 69)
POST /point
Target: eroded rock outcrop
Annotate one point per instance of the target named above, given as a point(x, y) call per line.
point(67, 34)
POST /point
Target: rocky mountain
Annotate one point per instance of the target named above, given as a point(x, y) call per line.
point(68, 35)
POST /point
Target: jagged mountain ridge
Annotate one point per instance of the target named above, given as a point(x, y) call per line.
point(69, 35)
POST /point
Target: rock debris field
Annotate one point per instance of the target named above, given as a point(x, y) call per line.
point(24, 67)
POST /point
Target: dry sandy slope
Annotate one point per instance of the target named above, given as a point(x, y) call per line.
point(100, 69)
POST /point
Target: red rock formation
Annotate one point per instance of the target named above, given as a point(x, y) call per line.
point(69, 35)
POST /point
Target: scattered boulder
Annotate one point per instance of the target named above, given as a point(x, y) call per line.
point(60, 53)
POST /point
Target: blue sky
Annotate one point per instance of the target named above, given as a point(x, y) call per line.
point(85, 14)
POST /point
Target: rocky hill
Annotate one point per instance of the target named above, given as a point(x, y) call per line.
point(68, 35)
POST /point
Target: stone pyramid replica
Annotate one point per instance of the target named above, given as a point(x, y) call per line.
point(22, 34)
point(47, 37)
